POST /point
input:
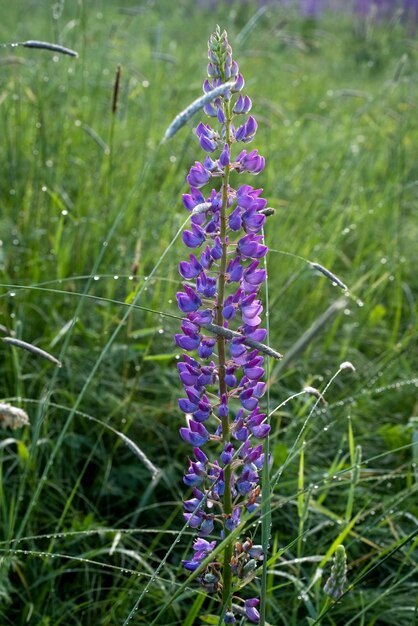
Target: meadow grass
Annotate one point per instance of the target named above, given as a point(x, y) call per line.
point(90, 205)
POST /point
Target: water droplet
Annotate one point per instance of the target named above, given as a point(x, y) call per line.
point(96, 277)
point(105, 244)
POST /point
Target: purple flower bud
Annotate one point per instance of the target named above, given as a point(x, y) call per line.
point(235, 519)
point(194, 238)
point(201, 317)
point(196, 434)
point(228, 311)
point(234, 270)
point(206, 259)
point(227, 453)
point(206, 348)
point(190, 270)
point(210, 110)
point(193, 520)
point(206, 285)
point(208, 145)
point(187, 406)
point(229, 618)
point(242, 105)
point(192, 480)
point(187, 343)
point(221, 116)
point(190, 565)
point(250, 610)
point(253, 276)
point(250, 247)
point(206, 527)
point(258, 334)
point(224, 158)
point(200, 456)
point(260, 432)
point(237, 348)
point(209, 164)
point(203, 411)
point(188, 374)
point(191, 506)
point(230, 378)
point(235, 219)
point(198, 175)
point(247, 131)
point(250, 310)
point(189, 300)
point(212, 70)
point(251, 162)
point(239, 83)
point(216, 251)
point(223, 407)
point(254, 373)
point(253, 221)
point(248, 400)
point(253, 454)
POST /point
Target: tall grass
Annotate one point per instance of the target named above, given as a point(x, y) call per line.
point(90, 205)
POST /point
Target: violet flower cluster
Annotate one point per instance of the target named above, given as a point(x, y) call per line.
point(222, 377)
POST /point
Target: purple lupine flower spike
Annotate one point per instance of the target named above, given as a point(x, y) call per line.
point(222, 381)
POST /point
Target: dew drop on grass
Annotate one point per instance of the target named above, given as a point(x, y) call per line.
point(64, 212)
point(96, 277)
point(115, 277)
point(105, 244)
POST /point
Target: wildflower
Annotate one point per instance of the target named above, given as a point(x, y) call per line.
point(223, 379)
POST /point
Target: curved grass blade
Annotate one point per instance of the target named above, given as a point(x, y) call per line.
point(195, 106)
point(18, 343)
point(45, 45)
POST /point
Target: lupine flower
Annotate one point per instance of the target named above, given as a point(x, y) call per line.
point(223, 380)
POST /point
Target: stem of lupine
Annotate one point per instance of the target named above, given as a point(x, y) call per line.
point(227, 499)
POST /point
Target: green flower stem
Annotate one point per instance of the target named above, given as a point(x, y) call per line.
point(221, 341)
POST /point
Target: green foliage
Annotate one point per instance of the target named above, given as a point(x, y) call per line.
point(90, 201)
